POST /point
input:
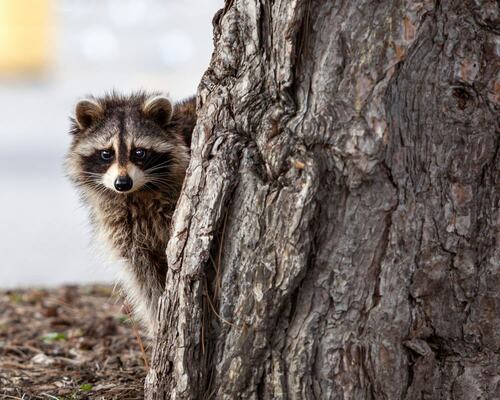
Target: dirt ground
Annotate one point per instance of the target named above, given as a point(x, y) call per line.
point(68, 343)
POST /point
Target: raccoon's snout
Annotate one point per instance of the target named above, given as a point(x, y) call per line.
point(123, 183)
point(123, 179)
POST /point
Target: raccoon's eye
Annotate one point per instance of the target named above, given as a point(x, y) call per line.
point(139, 153)
point(106, 155)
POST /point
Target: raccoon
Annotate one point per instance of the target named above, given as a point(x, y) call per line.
point(128, 158)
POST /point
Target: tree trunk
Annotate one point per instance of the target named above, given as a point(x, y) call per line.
point(337, 233)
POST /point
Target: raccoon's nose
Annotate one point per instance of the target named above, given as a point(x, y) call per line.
point(123, 183)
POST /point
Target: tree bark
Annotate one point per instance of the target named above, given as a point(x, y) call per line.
point(337, 233)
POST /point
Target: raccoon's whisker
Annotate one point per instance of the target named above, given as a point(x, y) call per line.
point(158, 157)
point(87, 183)
point(160, 174)
point(169, 185)
point(166, 178)
point(90, 172)
point(148, 188)
point(160, 180)
point(90, 182)
point(161, 188)
point(165, 189)
point(90, 177)
point(96, 185)
point(100, 189)
point(156, 167)
point(160, 164)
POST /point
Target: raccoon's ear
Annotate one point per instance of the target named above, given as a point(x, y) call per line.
point(159, 109)
point(87, 112)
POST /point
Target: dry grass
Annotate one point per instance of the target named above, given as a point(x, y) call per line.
point(68, 343)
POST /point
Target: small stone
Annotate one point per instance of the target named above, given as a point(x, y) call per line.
point(43, 359)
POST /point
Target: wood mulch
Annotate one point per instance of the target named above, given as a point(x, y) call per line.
point(70, 343)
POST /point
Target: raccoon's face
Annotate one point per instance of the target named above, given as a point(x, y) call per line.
point(124, 144)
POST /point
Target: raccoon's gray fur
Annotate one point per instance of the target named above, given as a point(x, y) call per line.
point(128, 159)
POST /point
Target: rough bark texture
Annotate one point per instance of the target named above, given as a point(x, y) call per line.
point(337, 234)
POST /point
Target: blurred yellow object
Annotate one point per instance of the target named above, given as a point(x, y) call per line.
point(25, 35)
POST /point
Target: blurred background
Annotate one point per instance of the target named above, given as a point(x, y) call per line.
point(53, 52)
